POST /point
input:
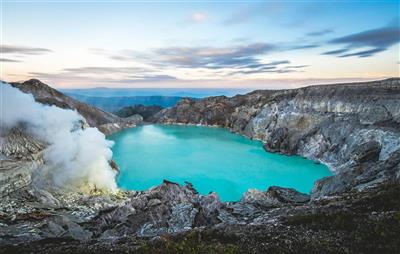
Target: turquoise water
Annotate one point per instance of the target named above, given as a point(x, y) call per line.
point(212, 159)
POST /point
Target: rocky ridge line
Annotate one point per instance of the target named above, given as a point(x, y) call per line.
point(106, 122)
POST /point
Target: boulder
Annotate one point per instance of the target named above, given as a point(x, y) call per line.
point(367, 152)
point(274, 196)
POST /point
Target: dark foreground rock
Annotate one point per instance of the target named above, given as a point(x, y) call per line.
point(358, 222)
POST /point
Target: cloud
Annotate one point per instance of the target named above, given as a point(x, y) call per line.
point(202, 62)
point(215, 57)
point(104, 70)
point(271, 67)
point(197, 57)
point(147, 78)
point(23, 50)
point(376, 40)
point(105, 74)
point(199, 17)
point(273, 63)
point(265, 71)
point(18, 52)
point(8, 60)
point(335, 52)
point(238, 56)
point(381, 37)
point(364, 53)
point(320, 32)
point(307, 46)
point(296, 66)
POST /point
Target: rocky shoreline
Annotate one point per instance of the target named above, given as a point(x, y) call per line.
point(352, 127)
point(343, 126)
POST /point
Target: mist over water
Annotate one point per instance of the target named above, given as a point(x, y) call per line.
point(212, 159)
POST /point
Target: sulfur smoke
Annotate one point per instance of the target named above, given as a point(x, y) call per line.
point(77, 156)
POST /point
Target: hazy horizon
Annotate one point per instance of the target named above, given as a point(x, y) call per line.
point(273, 85)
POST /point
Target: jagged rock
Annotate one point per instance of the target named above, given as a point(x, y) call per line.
point(366, 152)
point(18, 144)
point(359, 177)
point(135, 119)
point(147, 112)
point(182, 217)
point(66, 228)
point(55, 230)
point(287, 195)
point(110, 128)
point(14, 175)
point(325, 123)
point(45, 198)
point(278, 141)
point(77, 233)
point(274, 196)
point(106, 122)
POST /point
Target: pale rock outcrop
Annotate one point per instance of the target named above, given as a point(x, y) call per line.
point(342, 125)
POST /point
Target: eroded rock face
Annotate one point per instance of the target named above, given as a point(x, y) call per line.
point(345, 126)
point(104, 121)
point(166, 209)
point(21, 155)
point(366, 152)
point(362, 176)
point(14, 175)
point(147, 112)
point(320, 122)
point(134, 220)
point(19, 145)
point(275, 195)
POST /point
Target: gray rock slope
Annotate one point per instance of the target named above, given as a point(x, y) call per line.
point(345, 126)
point(104, 121)
point(355, 211)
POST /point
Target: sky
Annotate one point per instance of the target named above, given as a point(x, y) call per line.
point(198, 44)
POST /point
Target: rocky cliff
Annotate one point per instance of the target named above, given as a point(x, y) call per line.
point(104, 121)
point(346, 126)
point(147, 112)
point(352, 127)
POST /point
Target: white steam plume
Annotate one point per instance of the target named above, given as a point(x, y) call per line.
point(77, 156)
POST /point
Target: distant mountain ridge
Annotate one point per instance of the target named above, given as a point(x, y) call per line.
point(50, 96)
point(170, 92)
point(115, 103)
point(95, 117)
point(115, 99)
